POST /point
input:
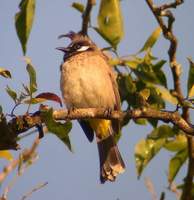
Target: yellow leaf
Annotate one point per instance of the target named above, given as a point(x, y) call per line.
point(179, 143)
point(34, 100)
point(151, 40)
point(6, 155)
point(145, 93)
point(166, 95)
point(191, 92)
point(110, 22)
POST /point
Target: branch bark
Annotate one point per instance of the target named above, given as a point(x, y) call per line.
point(27, 154)
point(86, 16)
point(144, 112)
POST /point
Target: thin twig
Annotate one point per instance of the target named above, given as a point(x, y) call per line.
point(171, 5)
point(86, 16)
point(38, 187)
point(150, 187)
point(26, 155)
point(174, 189)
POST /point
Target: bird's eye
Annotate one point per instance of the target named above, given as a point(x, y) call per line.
point(77, 46)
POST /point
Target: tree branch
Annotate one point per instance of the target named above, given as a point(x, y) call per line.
point(86, 16)
point(169, 35)
point(159, 12)
point(144, 112)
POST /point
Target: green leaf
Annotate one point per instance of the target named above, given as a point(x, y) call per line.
point(166, 95)
point(132, 63)
point(78, 6)
point(140, 121)
point(24, 20)
point(151, 40)
point(145, 73)
point(129, 84)
point(11, 93)
point(145, 93)
point(153, 122)
point(145, 150)
point(32, 76)
point(34, 100)
point(110, 22)
point(176, 163)
point(5, 73)
point(159, 65)
point(148, 58)
point(57, 128)
point(163, 131)
point(161, 77)
point(177, 144)
point(155, 100)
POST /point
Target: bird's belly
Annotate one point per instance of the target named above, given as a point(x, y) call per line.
point(86, 87)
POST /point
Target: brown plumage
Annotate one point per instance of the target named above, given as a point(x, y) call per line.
point(87, 81)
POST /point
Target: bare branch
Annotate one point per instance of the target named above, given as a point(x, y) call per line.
point(38, 187)
point(86, 16)
point(171, 5)
point(26, 155)
point(150, 187)
point(169, 35)
point(174, 189)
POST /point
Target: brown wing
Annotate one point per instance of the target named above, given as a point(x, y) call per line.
point(117, 106)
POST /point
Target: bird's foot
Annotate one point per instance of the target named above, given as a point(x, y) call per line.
point(108, 112)
point(71, 110)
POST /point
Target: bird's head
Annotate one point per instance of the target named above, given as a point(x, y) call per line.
point(79, 43)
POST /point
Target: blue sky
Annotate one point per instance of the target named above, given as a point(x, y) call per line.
point(76, 175)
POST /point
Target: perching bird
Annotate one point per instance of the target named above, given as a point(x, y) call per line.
point(87, 81)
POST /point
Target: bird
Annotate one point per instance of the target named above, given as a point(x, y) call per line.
point(88, 81)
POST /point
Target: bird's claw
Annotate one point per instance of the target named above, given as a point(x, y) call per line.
point(108, 112)
point(70, 110)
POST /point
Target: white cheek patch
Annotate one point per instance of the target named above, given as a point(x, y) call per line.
point(83, 48)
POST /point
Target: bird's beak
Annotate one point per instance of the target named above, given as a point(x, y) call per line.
point(63, 49)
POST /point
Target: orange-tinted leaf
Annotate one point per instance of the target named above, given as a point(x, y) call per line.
point(50, 96)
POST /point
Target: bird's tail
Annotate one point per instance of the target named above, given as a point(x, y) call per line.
point(111, 162)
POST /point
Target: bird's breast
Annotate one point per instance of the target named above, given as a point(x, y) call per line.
point(85, 82)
